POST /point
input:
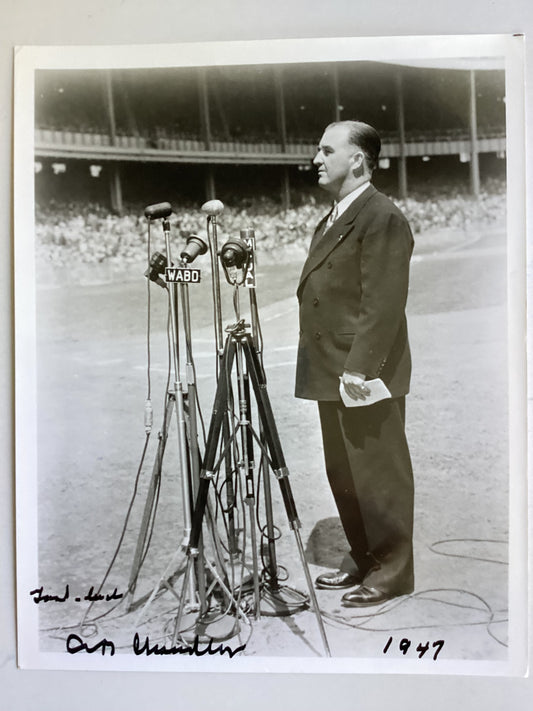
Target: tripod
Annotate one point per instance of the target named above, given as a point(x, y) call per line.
point(239, 349)
point(183, 402)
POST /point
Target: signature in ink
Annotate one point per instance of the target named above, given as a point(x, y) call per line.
point(95, 597)
point(192, 650)
point(40, 596)
point(75, 644)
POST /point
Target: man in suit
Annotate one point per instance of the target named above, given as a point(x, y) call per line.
point(352, 295)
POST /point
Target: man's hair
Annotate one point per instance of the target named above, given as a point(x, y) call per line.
point(364, 137)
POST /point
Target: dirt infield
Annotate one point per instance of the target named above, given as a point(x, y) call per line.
point(91, 389)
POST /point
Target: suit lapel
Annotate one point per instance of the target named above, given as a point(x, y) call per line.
point(320, 228)
point(323, 243)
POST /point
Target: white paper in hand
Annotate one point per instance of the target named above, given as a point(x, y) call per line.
point(378, 391)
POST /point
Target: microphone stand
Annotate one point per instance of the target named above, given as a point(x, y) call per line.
point(188, 453)
point(278, 600)
point(240, 349)
point(213, 208)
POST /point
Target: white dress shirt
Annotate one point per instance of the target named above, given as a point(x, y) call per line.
point(344, 204)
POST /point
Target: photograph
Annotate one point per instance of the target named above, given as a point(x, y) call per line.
point(269, 371)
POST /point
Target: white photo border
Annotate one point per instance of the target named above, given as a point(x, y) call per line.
point(394, 49)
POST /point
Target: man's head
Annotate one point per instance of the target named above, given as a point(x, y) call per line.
point(347, 154)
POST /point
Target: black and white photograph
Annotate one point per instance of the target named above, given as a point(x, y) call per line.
point(269, 356)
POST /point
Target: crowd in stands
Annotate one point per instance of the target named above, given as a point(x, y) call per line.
point(90, 233)
point(179, 132)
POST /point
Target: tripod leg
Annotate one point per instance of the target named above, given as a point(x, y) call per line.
point(149, 504)
point(247, 443)
point(207, 472)
point(167, 574)
point(233, 540)
point(211, 450)
point(280, 469)
point(272, 564)
point(193, 456)
point(312, 593)
point(181, 607)
point(269, 429)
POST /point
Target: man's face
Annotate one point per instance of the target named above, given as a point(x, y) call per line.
point(335, 159)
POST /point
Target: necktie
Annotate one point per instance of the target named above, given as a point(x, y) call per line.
point(332, 216)
point(325, 227)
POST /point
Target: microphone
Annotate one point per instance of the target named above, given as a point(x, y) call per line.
point(213, 207)
point(157, 265)
point(234, 253)
point(195, 246)
point(161, 209)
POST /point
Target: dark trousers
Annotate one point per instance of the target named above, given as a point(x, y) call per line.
point(370, 474)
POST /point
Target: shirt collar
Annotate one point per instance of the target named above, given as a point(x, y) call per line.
point(347, 200)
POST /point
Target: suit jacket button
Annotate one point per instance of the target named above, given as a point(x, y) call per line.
point(317, 335)
point(316, 301)
point(329, 265)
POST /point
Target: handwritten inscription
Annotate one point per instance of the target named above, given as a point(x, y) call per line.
point(405, 644)
point(192, 650)
point(40, 596)
point(76, 644)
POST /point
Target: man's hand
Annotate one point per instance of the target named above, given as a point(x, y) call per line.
point(354, 384)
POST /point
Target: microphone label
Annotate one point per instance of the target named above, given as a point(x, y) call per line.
point(182, 275)
point(249, 279)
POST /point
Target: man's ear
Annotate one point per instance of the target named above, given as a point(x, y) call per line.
point(358, 169)
point(358, 164)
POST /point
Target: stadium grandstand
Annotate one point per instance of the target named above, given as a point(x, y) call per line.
point(125, 137)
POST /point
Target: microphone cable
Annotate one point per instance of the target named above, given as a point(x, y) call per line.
point(366, 618)
point(148, 422)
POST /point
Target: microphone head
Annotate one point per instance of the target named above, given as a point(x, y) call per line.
point(195, 246)
point(161, 209)
point(234, 253)
point(213, 207)
point(157, 265)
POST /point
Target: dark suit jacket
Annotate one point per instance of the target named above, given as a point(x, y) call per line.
point(352, 295)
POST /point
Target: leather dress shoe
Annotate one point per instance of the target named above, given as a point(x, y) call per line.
point(336, 581)
point(364, 596)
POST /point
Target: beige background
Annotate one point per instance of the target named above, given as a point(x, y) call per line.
point(29, 22)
